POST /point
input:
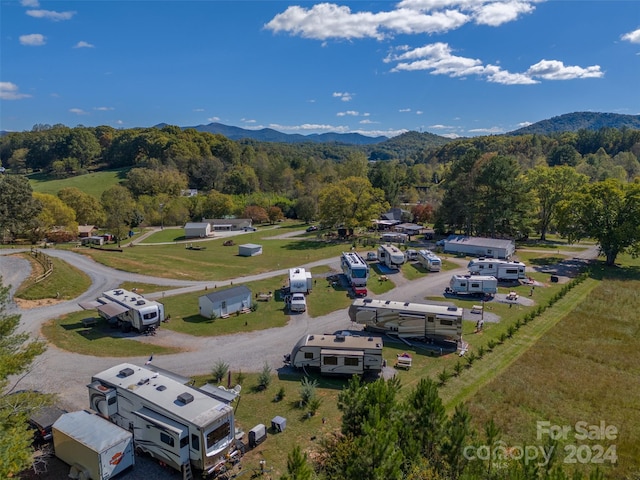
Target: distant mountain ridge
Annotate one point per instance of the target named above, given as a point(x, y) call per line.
point(572, 122)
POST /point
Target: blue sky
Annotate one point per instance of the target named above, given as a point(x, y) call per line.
point(449, 67)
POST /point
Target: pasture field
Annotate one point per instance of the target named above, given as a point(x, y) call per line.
point(92, 183)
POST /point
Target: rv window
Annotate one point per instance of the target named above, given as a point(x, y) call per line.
point(195, 441)
point(218, 434)
point(330, 360)
point(164, 438)
point(149, 316)
point(184, 441)
point(475, 285)
point(511, 271)
point(112, 400)
point(463, 284)
point(430, 319)
point(446, 322)
point(351, 361)
point(308, 354)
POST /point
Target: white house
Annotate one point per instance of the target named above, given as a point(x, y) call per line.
point(480, 247)
point(221, 303)
point(249, 250)
point(197, 230)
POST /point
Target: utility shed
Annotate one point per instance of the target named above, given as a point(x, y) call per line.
point(197, 230)
point(249, 250)
point(222, 303)
point(480, 246)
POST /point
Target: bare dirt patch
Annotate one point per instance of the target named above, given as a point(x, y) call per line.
point(42, 302)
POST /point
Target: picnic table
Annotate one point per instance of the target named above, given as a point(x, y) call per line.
point(512, 296)
point(89, 322)
point(403, 360)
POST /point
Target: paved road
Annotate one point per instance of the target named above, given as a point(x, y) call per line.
point(67, 373)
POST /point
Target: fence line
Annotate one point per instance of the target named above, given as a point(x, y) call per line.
point(46, 263)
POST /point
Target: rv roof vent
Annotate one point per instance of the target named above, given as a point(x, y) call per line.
point(367, 300)
point(140, 302)
point(161, 388)
point(406, 304)
point(451, 308)
point(185, 398)
point(125, 372)
point(387, 302)
point(311, 337)
point(118, 292)
point(143, 381)
point(339, 338)
point(370, 339)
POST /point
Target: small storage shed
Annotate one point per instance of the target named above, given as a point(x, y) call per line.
point(480, 246)
point(197, 230)
point(249, 250)
point(222, 303)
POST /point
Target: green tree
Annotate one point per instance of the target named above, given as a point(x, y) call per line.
point(17, 353)
point(606, 211)
point(297, 466)
point(18, 208)
point(551, 186)
point(120, 209)
point(217, 205)
point(88, 209)
point(275, 214)
point(306, 208)
point(55, 214)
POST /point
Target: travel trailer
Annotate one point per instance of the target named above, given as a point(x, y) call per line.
point(355, 269)
point(181, 426)
point(300, 281)
point(501, 269)
point(429, 260)
point(408, 320)
point(94, 447)
point(473, 284)
point(338, 354)
point(129, 310)
point(390, 256)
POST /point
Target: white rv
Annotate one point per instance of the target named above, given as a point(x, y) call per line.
point(338, 354)
point(429, 260)
point(300, 281)
point(390, 256)
point(179, 425)
point(501, 269)
point(130, 310)
point(474, 284)
point(408, 320)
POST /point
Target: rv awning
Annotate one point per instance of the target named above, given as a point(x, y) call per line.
point(351, 353)
point(112, 309)
point(89, 305)
point(160, 420)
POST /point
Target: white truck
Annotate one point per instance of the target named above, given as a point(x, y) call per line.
point(473, 284)
point(92, 446)
point(297, 302)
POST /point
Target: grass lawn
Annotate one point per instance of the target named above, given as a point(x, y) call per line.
point(92, 183)
point(65, 282)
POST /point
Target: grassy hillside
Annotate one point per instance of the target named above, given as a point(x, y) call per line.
point(92, 183)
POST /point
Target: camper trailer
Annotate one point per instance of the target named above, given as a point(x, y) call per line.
point(300, 281)
point(408, 320)
point(390, 256)
point(179, 425)
point(429, 260)
point(338, 354)
point(501, 269)
point(130, 310)
point(473, 284)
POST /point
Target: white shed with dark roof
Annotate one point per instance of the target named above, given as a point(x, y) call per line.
point(221, 303)
point(480, 247)
point(197, 230)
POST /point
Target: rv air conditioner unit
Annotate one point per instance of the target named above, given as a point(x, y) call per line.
point(126, 372)
point(185, 398)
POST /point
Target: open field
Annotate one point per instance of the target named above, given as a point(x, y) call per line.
point(92, 183)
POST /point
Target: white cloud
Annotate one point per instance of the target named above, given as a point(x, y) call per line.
point(213, 119)
point(9, 91)
point(439, 59)
point(440, 127)
point(198, 109)
point(78, 111)
point(352, 113)
point(633, 37)
point(103, 109)
point(410, 17)
point(419, 112)
point(404, 110)
point(83, 44)
point(556, 70)
point(524, 124)
point(33, 40)
point(367, 122)
point(51, 15)
point(310, 127)
point(487, 131)
point(344, 96)
point(30, 3)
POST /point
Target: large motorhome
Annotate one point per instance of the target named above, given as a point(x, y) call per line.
point(408, 320)
point(474, 284)
point(501, 269)
point(391, 256)
point(179, 425)
point(355, 269)
point(130, 310)
point(429, 260)
point(338, 354)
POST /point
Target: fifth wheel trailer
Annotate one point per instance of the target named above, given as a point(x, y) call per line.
point(94, 447)
point(501, 269)
point(408, 320)
point(130, 310)
point(391, 256)
point(181, 426)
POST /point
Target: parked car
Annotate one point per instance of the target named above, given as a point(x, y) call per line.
point(312, 228)
point(372, 256)
point(297, 303)
point(250, 229)
point(41, 422)
point(411, 254)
